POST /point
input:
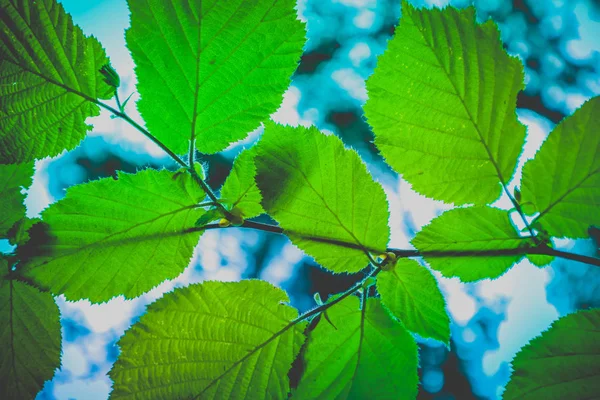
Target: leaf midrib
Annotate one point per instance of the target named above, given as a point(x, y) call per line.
point(295, 167)
point(248, 355)
point(363, 313)
point(98, 243)
point(471, 119)
point(12, 338)
point(567, 193)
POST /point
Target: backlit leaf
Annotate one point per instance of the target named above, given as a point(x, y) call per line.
point(13, 178)
point(412, 295)
point(212, 340)
point(563, 180)
point(442, 105)
point(239, 191)
point(212, 69)
point(561, 363)
point(29, 338)
point(367, 355)
point(322, 196)
point(469, 231)
point(112, 237)
point(47, 67)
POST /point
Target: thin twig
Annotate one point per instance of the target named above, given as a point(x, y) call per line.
point(540, 249)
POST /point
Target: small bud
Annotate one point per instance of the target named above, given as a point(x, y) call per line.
point(224, 223)
point(317, 298)
point(110, 76)
point(236, 220)
point(517, 194)
point(389, 261)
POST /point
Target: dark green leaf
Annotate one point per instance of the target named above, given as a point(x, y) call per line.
point(18, 235)
point(367, 355)
point(562, 363)
point(113, 237)
point(212, 69)
point(47, 67)
point(563, 180)
point(322, 196)
point(13, 178)
point(411, 293)
point(442, 105)
point(29, 338)
point(212, 340)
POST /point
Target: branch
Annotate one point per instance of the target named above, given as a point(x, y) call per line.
point(570, 256)
point(150, 136)
point(141, 129)
point(519, 210)
point(540, 249)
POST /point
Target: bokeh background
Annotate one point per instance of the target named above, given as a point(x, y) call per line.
point(558, 42)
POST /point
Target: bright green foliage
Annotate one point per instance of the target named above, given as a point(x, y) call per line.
point(212, 340)
point(29, 338)
point(442, 105)
point(113, 237)
point(563, 180)
point(540, 260)
point(367, 355)
point(321, 193)
point(239, 191)
point(44, 61)
point(562, 363)
point(13, 177)
point(469, 230)
point(211, 69)
point(411, 293)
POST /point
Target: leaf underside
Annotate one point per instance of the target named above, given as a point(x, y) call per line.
point(217, 71)
point(365, 356)
point(412, 295)
point(239, 191)
point(210, 341)
point(442, 105)
point(30, 339)
point(322, 195)
point(471, 229)
point(13, 177)
point(44, 60)
point(562, 363)
point(563, 180)
point(116, 237)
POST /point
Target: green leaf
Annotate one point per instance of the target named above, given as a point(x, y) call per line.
point(212, 70)
point(322, 196)
point(562, 363)
point(442, 105)
point(212, 340)
point(367, 355)
point(29, 338)
point(469, 231)
point(113, 237)
point(18, 235)
point(411, 293)
point(239, 191)
point(564, 186)
point(13, 177)
point(540, 260)
point(49, 70)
